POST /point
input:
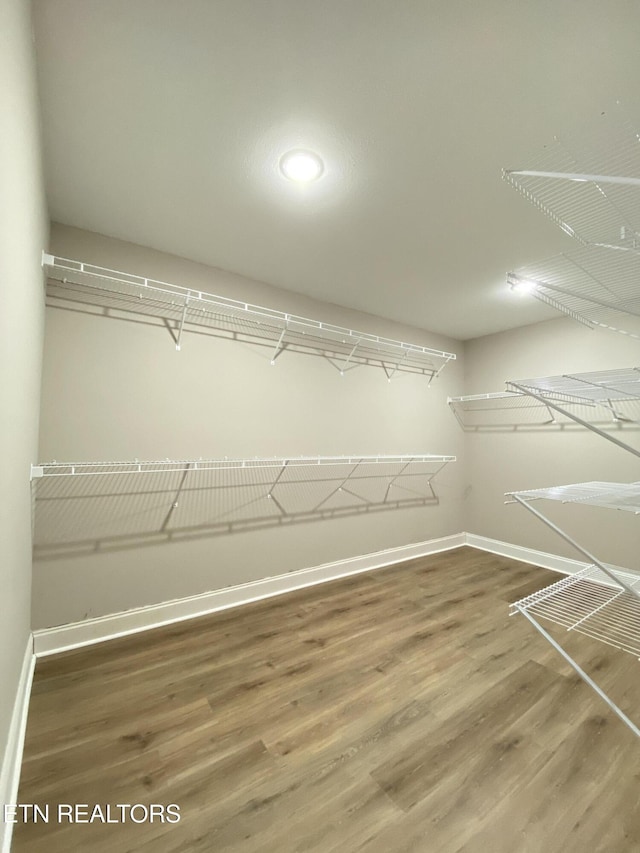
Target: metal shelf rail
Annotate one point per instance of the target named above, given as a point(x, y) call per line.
point(607, 389)
point(84, 469)
point(76, 281)
point(600, 601)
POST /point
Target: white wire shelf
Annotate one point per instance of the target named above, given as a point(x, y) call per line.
point(620, 496)
point(615, 391)
point(76, 281)
point(589, 603)
point(83, 469)
point(595, 286)
point(594, 387)
point(589, 186)
point(83, 508)
point(518, 408)
point(499, 408)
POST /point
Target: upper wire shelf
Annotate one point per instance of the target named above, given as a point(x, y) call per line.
point(621, 496)
point(589, 186)
point(77, 281)
point(595, 286)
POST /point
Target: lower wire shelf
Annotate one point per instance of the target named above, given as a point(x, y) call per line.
point(599, 601)
point(588, 603)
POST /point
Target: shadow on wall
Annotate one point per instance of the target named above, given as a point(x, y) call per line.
point(76, 515)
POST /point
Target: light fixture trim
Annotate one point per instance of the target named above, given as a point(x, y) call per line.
point(301, 166)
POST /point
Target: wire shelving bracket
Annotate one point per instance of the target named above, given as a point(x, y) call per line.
point(72, 280)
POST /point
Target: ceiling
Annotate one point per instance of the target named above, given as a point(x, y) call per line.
point(164, 123)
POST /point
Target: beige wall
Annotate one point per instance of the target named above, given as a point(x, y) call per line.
point(504, 458)
point(119, 390)
point(22, 239)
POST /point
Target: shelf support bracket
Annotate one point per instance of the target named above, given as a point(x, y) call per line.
point(270, 494)
point(436, 373)
point(279, 346)
point(393, 479)
point(348, 359)
point(338, 488)
point(180, 327)
point(174, 503)
point(397, 367)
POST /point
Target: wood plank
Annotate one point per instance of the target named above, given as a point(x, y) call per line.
point(396, 711)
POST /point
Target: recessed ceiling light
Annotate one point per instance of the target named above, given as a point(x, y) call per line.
point(301, 166)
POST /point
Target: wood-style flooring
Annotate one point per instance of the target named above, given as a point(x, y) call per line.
point(394, 711)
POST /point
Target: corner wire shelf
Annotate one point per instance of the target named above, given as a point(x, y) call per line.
point(598, 287)
point(86, 507)
point(599, 601)
point(471, 408)
point(591, 189)
point(76, 281)
point(592, 192)
point(605, 389)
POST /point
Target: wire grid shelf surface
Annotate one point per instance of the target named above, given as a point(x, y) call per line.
point(82, 508)
point(75, 280)
point(598, 386)
point(588, 603)
point(495, 409)
point(622, 496)
point(596, 286)
point(570, 181)
point(67, 469)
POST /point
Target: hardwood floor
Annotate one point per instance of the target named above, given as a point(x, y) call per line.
point(394, 711)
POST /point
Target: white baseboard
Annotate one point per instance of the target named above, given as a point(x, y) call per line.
point(544, 560)
point(12, 762)
point(50, 641)
point(525, 555)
